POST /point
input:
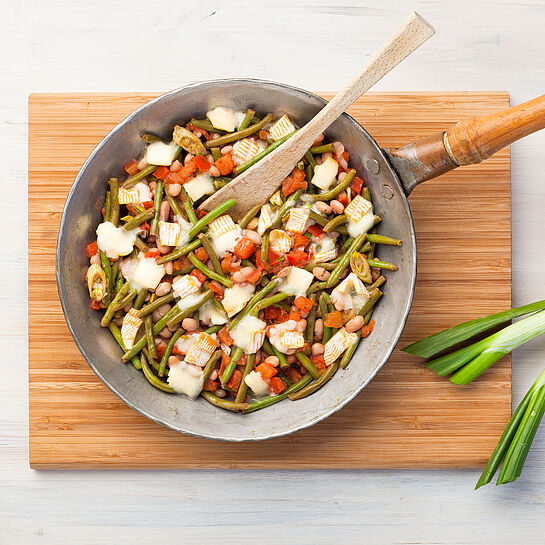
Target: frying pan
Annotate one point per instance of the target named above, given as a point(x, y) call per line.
point(391, 175)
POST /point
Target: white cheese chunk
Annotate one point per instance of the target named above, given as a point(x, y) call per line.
point(226, 242)
point(159, 153)
point(223, 118)
point(144, 192)
point(146, 274)
point(325, 174)
point(115, 241)
point(297, 281)
point(189, 301)
point(199, 186)
point(362, 226)
point(210, 315)
point(186, 379)
point(186, 342)
point(275, 331)
point(183, 238)
point(255, 381)
point(240, 117)
point(242, 333)
point(235, 298)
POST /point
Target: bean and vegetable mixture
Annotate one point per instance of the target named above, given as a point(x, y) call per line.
point(243, 314)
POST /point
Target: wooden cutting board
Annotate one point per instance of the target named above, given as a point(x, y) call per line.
point(407, 417)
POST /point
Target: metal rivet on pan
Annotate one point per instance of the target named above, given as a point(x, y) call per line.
point(372, 166)
point(386, 191)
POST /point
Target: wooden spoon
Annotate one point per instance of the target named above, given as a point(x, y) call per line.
point(258, 183)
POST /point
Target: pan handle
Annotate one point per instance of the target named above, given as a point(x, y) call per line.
point(468, 142)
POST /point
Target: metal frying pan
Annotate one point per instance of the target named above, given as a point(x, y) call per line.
point(391, 175)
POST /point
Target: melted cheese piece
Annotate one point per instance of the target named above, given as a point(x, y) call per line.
point(275, 332)
point(189, 301)
point(115, 241)
point(223, 118)
point(297, 282)
point(186, 379)
point(362, 226)
point(255, 381)
point(243, 331)
point(226, 242)
point(210, 315)
point(183, 238)
point(199, 186)
point(186, 342)
point(144, 192)
point(146, 274)
point(235, 298)
point(325, 174)
point(159, 153)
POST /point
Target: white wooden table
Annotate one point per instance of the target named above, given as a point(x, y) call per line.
point(76, 45)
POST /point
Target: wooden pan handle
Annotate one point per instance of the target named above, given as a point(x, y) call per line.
point(468, 142)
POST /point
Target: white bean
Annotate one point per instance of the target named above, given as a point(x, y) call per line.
point(354, 324)
point(254, 236)
point(173, 360)
point(189, 324)
point(169, 267)
point(342, 176)
point(214, 172)
point(188, 158)
point(253, 224)
point(226, 150)
point(283, 272)
point(165, 333)
point(213, 375)
point(319, 328)
point(317, 349)
point(337, 206)
point(174, 189)
point(343, 163)
point(272, 360)
point(176, 166)
point(164, 211)
point(338, 149)
point(301, 325)
point(95, 259)
point(220, 393)
point(320, 273)
point(323, 207)
point(142, 164)
point(162, 289)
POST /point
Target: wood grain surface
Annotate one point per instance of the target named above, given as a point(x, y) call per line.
point(407, 417)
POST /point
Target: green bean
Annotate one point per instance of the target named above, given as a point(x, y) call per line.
point(249, 216)
point(216, 153)
point(322, 302)
point(209, 272)
point(317, 384)
point(206, 244)
point(117, 336)
point(114, 200)
point(325, 265)
point(367, 317)
point(324, 148)
point(140, 299)
point(264, 253)
point(377, 283)
point(243, 388)
point(150, 339)
point(107, 206)
point(119, 282)
point(253, 300)
point(345, 259)
point(245, 166)
point(375, 295)
point(141, 245)
point(268, 301)
point(138, 219)
point(150, 169)
point(155, 304)
point(381, 239)
point(367, 247)
point(153, 380)
point(215, 328)
point(232, 365)
point(320, 219)
point(115, 270)
point(339, 188)
point(286, 207)
point(316, 286)
point(212, 215)
point(309, 173)
point(311, 161)
point(366, 194)
point(271, 400)
point(179, 315)
point(347, 356)
point(224, 403)
point(238, 135)
point(168, 350)
point(307, 364)
point(247, 263)
point(174, 205)
point(333, 224)
point(152, 361)
point(311, 320)
point(247, 119)
point(125, 301)
point(179, 252)
point(113, 306)
point(205, 125)
point(271, 350)
point(382, 265)
point(210, 365)
point(157, 200)
point(105, 263)
point(188, 206)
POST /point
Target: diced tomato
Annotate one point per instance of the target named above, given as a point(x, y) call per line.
point(266, 370)
point(147, 204)
point(227, 264)
point(173, 178)
point(91, 249)
point(95, 305)
point(282, 317)
point(346, 156)
point(161, 172)
point(316, 230)
point(201, 214)
point(290, 185)
point(224, 337)
point(254, 276)
point(152, 253)
point(334, 319)
point(244, 248)
point(131, 168)
point(273, 257)
point(201, 254)
point(304, 304)
point(225, 361)
point(182, 264)
point(297, 258)
point(200, 276)
point(356, 184)
point(161, 347)
point(263, 134)
point(211, 385)
point(145, 226)
point(293, 375)
point(202, 163)
point(276, 385)
point(343, 198)
point(199, 132)
point(271, 313)
point(298, 175)
point(367, 329)
point(300, 241)
point(131, 209)
point(235, 380)
point(188, 170)
point(225, 164)
point(294, 315)
point(217, 288)
point(318, 362)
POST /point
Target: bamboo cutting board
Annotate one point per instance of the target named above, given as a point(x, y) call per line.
point(407, 417)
